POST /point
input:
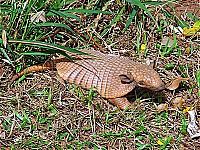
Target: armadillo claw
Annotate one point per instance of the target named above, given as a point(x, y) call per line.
point(121, 102)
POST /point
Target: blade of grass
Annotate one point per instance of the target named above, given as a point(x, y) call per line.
point(50, 24)
point(114, 20)
point(5, 8)
point(131, 16)
point(86, 11)
point(51, 47)
point(154, 3)
point(32, 53)
point(6, 56)
point(141, 6)
point(198, 81)
point(136, 9)
point(26, 25)
point(13, 16)
point(63, 14)
point(118, 16)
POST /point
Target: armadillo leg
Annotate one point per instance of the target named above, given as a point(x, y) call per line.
point(120, 102)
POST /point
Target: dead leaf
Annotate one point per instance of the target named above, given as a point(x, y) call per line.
point(193, 30)
point(149, 62)
point(39, 16)
point(193, 128)
point(162, 107)
point(177, 30)
point(166, 41)
point(1, 70)
point(178, 102)
point(190, 31)
point(187, 50)
point(4, 38)
point(187, 109)
point(175, 83)
point(2, 135)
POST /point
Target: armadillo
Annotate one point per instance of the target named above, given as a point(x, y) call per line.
point(112, 76)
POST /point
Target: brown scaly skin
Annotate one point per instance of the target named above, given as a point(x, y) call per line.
point(112, 76)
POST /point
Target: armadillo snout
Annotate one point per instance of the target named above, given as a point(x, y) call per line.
point(157, 86)
point(154, 83)
point(148, 78)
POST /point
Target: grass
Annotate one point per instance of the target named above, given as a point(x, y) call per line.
point(38, 112)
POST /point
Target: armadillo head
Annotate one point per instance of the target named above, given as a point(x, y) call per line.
point(147, 77)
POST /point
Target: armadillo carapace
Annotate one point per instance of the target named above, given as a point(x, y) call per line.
point(112, 76)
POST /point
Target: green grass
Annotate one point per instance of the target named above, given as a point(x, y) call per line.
point(198, 81)
point(40, 113)
point(85, 97)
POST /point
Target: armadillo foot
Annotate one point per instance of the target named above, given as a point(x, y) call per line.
point(120, 102)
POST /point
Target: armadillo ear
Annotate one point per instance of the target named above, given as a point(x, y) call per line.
point(125, 79)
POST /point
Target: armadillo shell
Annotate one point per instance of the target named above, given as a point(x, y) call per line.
point(101, 72)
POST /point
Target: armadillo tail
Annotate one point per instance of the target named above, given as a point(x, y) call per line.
point(37, 68)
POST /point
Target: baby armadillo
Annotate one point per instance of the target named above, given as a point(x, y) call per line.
point(112, 76)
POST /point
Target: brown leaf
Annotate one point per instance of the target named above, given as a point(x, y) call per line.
point(4, 38)
point(175, 83)
point(193, 128)
point(167, 42)
point(178, 102)
point(162, 107)
point(1, 70)
point(39, 16)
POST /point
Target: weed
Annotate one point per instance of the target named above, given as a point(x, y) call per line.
point(164, 142)
point(184, 125)
point(86, 97)
point(198, 81)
